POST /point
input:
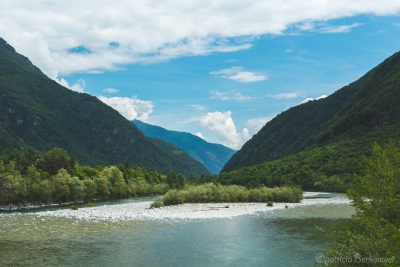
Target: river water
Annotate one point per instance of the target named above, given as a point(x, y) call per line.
point(289, 237)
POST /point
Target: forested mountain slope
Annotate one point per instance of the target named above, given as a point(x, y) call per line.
point(36, 111)
point(364, 111)
point(212, 156)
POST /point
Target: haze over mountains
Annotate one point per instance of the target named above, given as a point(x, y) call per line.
point(38, 112)
point(213, 156)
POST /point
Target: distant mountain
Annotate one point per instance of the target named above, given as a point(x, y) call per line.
point(347, 122)
point(213, 156)
point(37, 112)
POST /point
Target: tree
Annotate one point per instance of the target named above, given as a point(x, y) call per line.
point(55, 159)
point(117, 185)
point(61, 186)
point(374, 231)
point(91, 189)
point(77, 189)
point(175, 180)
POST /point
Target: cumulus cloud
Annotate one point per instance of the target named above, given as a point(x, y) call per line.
point(222, 124)
point(239, 75)
point(79, 86)
point(63, 37)
point(257, 123)
point(131, 108)
point(312, 99)
point(229, 96)
point(200, 135)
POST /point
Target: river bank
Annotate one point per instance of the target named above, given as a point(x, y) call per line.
point(141, 211)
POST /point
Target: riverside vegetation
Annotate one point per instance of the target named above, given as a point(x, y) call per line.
point(374, 231)
point(54, 177)
point(209, 193)
point(33, 178)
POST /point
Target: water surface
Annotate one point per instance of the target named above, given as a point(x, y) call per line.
point(290, 237)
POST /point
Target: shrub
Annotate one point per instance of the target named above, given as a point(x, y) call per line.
point(91, 204)
point(173, 197)
point(158, 203)
point(74, 207)
point(270, 203)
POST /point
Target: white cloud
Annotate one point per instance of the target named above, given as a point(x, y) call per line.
point(79, 86)
point(312, 99)
point(197, 107)
point(124, 31)
point(257, 123)
point(200, 135)
point(131, 108)
point(229, 96)
point(321, 27)
point(286, 95)
point(339, 28)
point(110, 90)
point(238, 74)
point(222, 124)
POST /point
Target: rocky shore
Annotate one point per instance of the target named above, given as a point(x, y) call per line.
point(141, 211)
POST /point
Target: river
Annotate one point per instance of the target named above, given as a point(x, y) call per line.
point(285, 237)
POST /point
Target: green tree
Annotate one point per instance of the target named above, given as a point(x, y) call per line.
point(175, 180)
point(32, 181)
point(12, 188)
point(61, 186)
point(77, 189)
point(91, 189)
point(103, 187)
point(117, 185)
point(54, 160)
point(374, 231)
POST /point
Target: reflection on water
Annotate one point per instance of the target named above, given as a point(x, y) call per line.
point(290, 237)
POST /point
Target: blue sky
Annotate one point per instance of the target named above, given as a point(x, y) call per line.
point(221, 81)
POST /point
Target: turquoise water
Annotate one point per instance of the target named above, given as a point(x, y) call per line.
point(291, 237)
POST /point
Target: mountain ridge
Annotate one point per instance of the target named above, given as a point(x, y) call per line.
point(211, 155)
point(359, 109)
point(38, 112)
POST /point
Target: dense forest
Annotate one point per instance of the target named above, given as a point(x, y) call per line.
point(54, 177)
point(330, 168)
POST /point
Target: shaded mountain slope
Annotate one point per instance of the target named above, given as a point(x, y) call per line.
point(38, 112)
point(212, 156)
point(367, 110)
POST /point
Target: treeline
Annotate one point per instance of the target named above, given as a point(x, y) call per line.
point(215, 193)
point(31, 177)
point(330, 168)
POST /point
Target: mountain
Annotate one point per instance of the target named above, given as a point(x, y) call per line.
point(213, 156)
point(343, 125)
point(38, 112)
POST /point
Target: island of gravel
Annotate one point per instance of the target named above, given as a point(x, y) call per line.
point(141, 211)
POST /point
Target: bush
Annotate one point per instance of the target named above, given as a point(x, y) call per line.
point(74, 207)
point(173, 197)
point(270, 203)
point(158, 203)
point(208, 193)
point(91, 204)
